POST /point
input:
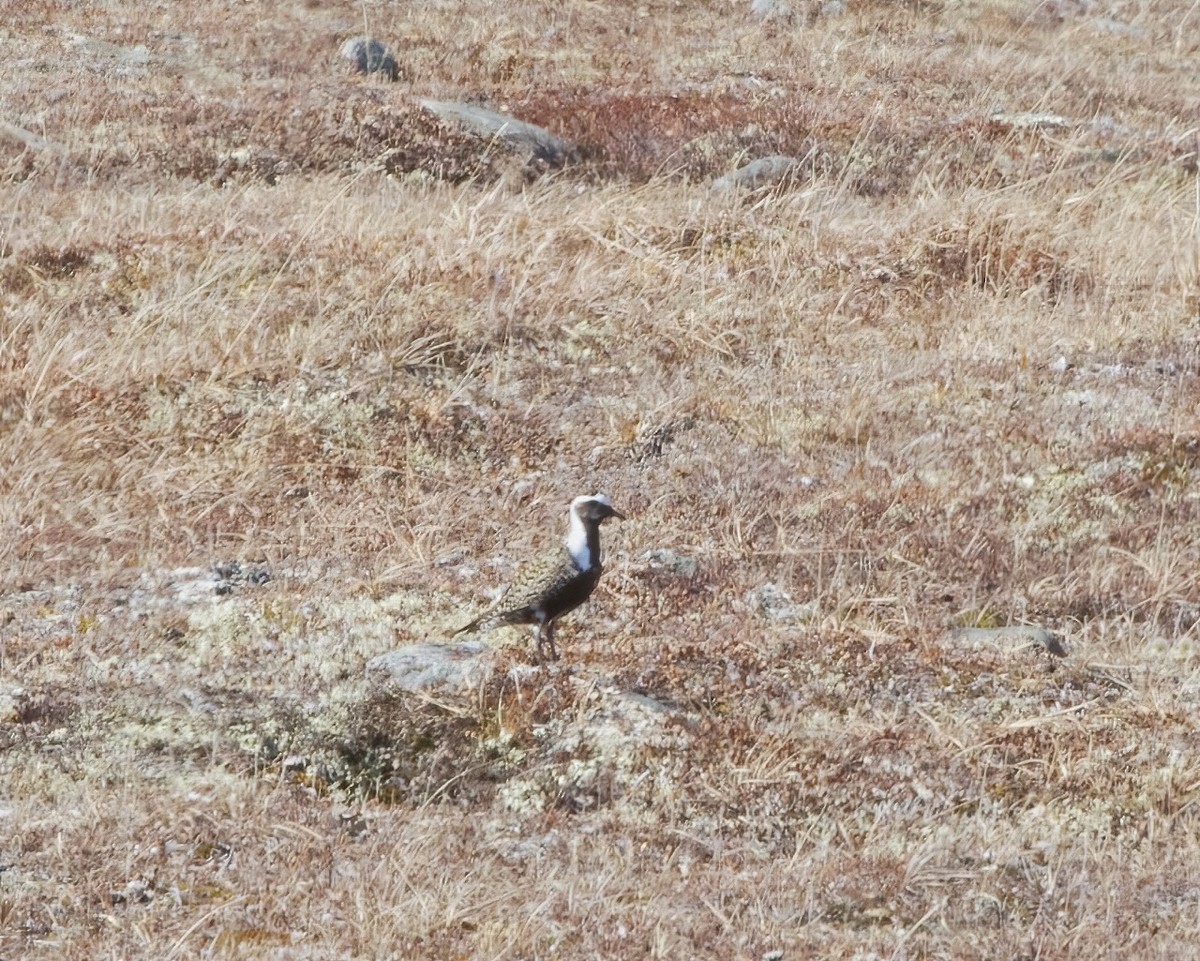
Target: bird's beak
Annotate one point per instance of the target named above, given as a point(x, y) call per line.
point(617, 514)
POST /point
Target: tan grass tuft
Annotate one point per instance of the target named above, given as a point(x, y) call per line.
point(291, 374)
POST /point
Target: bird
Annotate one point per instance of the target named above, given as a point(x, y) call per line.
point(543, 592)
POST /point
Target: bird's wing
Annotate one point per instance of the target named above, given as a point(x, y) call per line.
point(532, 584)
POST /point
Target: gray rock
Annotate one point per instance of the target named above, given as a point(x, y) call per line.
point(192, 585)
point(773, 602)
point(1030, 121)
point(1110, 25)
point(515, 134)
point(664, 561)
point(771, 9)
point(1010, 639)
point(368, 55)
point(12, 697)
point(765, 172)
point(27, 138)
point(420, 667)
point(102, 50)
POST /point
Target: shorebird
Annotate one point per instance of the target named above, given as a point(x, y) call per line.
point(544, 592)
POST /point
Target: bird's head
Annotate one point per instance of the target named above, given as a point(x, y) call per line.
point(594, 508)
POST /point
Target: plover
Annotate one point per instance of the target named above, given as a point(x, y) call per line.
point(543, 592)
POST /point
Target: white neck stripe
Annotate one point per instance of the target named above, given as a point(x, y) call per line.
point(577, 543)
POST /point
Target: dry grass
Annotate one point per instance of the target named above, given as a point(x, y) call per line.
point(255, 310)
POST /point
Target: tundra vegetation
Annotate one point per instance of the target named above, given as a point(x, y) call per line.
point(294, 372)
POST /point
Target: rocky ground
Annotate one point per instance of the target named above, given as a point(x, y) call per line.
point(876, 320)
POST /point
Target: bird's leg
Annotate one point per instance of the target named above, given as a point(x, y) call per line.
point(550, 640)
point(540, 641)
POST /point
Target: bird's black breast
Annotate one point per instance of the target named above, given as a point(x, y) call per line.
point(569, 592)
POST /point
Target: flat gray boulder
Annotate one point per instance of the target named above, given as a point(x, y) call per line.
point(1010, 639)
point(515, 134)
point(27, 138)
point(1031, 121)
point(423, 667)
point(764, 172)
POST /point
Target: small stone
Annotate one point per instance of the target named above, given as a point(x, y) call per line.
point(192, 585)
point(662, 560)
point(772, 602)
point(771, 9)
point(102, 50)
point(1030, 121)
point(422, 667)
point(1010, 639)
point(368, 55)
point(12, 701)
point(135, 892)
point(764, 172)
point(231, 575)
point(1110, 25)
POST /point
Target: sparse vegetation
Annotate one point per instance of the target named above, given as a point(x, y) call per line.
point(292, 373)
